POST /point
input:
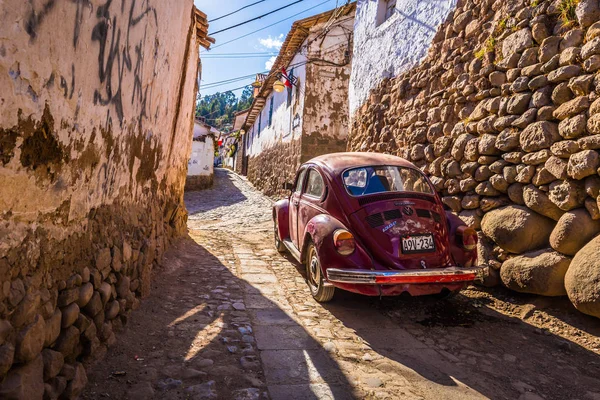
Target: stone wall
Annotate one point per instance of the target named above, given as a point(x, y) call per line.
point(503, 115)
point(95, 122)
point(273, 167)
point(388, 48)
point(198, 182)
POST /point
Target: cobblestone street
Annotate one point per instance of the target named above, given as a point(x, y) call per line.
point(229, 317)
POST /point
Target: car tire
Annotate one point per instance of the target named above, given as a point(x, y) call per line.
point(314, 277)
point(278, 243)
point(446, 295)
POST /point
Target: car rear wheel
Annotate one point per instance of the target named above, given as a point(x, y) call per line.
point(314, 277)
point(446, 294)
point(278, 243)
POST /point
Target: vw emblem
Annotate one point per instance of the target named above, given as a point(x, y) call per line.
point(407, 210)
point(423, 264)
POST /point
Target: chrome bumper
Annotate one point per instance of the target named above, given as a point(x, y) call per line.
point(421, 276)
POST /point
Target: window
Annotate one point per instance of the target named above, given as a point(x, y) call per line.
point(290, 88)
point(370, 180)
point(271, 111)
point(300, 181)
point(259, 122)
point(385, 10)
point(315, 185)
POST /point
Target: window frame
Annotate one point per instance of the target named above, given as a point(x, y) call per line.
point(290, 89)
point(323, 193)
point(383, 11)
point(433, 194)
point(300, 177)
point(259, 122)
point(271, 111)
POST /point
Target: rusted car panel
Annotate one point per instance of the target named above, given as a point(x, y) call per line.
point(374, 225)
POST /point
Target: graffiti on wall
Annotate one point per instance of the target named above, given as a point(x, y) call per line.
point(120, 57)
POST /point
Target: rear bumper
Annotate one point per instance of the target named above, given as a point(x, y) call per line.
point(424, 276)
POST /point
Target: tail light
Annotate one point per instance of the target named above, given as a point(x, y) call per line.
point(344, 242)
point(466, 237)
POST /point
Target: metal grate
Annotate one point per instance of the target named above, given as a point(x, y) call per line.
point(374, 220)
point(423, 213)
point(390, 196)
point(392, 214)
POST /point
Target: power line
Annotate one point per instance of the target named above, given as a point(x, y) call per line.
point(238, 10)
point(205, 54)
point(238, 78)
point(212, 85)
point(255, 18)
point(246, 56)
point(268, 26)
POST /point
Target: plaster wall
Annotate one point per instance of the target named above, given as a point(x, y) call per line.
point(96, 116)
point(202, 130)
point(264, 136)
point(202, 157)
point(394, 46)
point(107, 99)
point(325, 125)
point(316, 121)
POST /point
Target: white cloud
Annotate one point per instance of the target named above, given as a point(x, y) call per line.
point(270, 62)
point(272, 43)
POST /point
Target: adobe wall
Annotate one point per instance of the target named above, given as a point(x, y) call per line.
point(503, 115)
point(95, 123)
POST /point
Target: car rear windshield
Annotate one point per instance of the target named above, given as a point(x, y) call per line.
point(380, 179)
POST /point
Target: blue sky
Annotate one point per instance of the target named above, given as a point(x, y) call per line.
point(267, 40)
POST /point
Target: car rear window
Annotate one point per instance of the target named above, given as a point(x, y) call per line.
point(380, 179)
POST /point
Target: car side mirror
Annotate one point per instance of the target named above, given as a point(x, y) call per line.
point(288, 186)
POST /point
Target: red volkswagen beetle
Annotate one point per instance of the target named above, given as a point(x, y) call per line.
point(373, 224)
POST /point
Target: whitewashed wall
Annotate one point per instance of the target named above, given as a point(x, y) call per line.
point(281, 129)
point(330, 47)
point(394, 46)
point(202, 158)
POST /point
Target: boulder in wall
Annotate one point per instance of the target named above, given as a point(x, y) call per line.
point(582, 280)
point(540, 272)
point(517, 229)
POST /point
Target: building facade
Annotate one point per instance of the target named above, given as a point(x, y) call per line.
point(97, 109)
point(309, 117)
point(201, 163)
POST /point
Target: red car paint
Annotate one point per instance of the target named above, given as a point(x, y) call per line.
point(302, 218)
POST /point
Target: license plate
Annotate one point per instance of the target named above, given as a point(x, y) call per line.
point(418, 244)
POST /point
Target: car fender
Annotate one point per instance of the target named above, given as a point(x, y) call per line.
point(281, 215)
point(319, 230)
point(461, 256)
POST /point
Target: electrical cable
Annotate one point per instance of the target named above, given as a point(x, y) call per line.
point(239, 78)
point(228, 57)
point(204, 54)
point(233, 12)
point(268, 26)
point(255, 18)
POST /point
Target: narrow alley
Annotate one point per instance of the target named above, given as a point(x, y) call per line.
point(229, 317)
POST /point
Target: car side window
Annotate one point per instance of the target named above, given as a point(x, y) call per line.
point(300, 181)
point(315, 185)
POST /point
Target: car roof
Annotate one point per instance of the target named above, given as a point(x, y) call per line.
point(336, 163)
